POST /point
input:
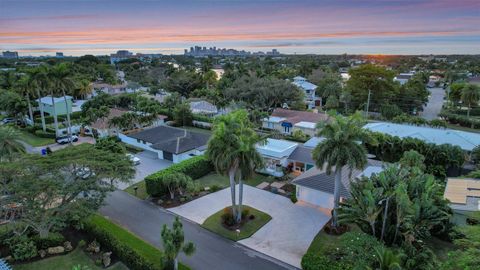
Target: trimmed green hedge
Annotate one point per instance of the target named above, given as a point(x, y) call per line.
point(461, 120)
point(60, 118)
point(40, 133)
point(135, 253)
point(194, 167)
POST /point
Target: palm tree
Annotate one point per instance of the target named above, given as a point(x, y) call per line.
point(232, 151)
point(39, 81)
point(62, 82)
point(23, 86)
point(342, 147)
point(84, 88)
point(8, 143)
point(470, 96)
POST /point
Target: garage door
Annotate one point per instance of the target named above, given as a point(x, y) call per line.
point(315, 197)
point(167, 156)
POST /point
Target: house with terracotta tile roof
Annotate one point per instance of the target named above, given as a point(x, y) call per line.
point(287, 121)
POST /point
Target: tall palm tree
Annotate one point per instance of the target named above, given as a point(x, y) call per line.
point(84, 88)
point(24, 88)
point(232, 151)
point(62, 83)
point(9, 144)
point(39, 81)
point(342, 147)
point(470, 96)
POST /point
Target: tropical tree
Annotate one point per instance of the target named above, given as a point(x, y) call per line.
point(62, 82)
point(174, 243)
point(23, 86)
point(232, 151)
point(9, 145)
point(84, 88)
point(182, 114)
point(342, 147)
point(40, 82)
point(470, 96)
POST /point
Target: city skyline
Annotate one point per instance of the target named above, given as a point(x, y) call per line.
point(304, 26)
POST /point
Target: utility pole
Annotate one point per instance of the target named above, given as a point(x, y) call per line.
point(368, 104)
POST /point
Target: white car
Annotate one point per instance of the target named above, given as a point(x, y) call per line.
point(134, 159)
point(66, 139)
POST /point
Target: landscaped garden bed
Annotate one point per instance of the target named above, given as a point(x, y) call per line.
point(221, 223)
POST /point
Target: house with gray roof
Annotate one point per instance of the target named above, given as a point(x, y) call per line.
point(308, 89)
point(169, 143)
point(316, 187)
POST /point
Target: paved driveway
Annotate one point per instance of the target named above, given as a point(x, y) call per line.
point(286, 237)
point(149, 163)
point(434, 105)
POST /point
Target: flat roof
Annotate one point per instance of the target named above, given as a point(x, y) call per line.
point(276, 148)
point(459, 189)
point(465, 140)
point(274, 119)
point(305, 124)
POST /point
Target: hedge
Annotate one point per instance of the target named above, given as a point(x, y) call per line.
point(60, 118)
point(135, 253)
point(438, 158)
point(40, 133)
point(461, 120)
point(194, 167)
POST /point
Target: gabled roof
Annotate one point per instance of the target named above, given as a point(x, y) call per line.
point(318, 179)
point(314, 141)
point(305, 85)
point(203, 106)
point(294, 117)
point(103, 123)
point(465, 140)
point(173, 140)
point(305, 124)
point(302, 154)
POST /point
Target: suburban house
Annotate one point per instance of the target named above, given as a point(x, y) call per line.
point(281, 155)
point(316, 187)
point(465, 140)
point(169, 143)
point(287, 121)
point(203, 107)
point(308, 89)
point(59, 102)
point(464, 197)
point(403, 78)
point(102, 126)
point(110, 89)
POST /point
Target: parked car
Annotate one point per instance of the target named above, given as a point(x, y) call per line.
point(66, 139)
point(134, 159)
point(7, 121)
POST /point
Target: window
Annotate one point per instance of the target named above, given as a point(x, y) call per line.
point(270, 125)
point(138, 140)
point(286, 129)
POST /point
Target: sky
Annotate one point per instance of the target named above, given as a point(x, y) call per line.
point(78, 27)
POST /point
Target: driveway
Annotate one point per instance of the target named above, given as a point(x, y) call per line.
point(213, 252)
point(149, 163)
point(286, 237)
point(434, 105)
point(55, 146)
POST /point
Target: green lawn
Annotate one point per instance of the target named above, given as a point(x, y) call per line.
point(74, 258)
point(214, 224)
point(141, 191)
point(34, 140)
point(323, 240)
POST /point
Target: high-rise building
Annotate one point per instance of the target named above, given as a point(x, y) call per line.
point(119, 56)
point(198, 51)
point(59, 54)
point(10, 55)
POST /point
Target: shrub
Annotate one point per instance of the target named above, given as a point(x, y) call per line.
point(215, 188)
point(245, 213)
point(313, 261)
point(53, 240)
point(195, 168)
point(131, 250)
point(293, 197)
point(42, 134)
point(22, 248)
point(461, 120)
point(227, 217)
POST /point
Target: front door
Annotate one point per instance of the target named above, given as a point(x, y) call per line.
point(167, 156)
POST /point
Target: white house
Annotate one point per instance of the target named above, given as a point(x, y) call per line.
point(308, 89)
point(316, 187)
point(169, 143)
point(275, 153)
point(403, 78)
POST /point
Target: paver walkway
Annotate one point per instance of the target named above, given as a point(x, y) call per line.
point(286, 237)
